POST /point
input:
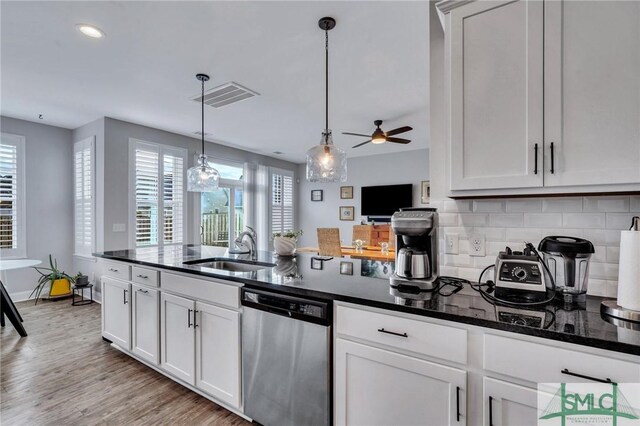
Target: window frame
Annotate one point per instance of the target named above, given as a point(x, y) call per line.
point(91, 142)
point(283, 172)
point(20, 252)
point(161, 150)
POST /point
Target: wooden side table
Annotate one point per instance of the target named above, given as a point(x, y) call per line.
point(78, 290)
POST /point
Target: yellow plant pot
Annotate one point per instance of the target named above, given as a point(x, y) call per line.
point(60, 288)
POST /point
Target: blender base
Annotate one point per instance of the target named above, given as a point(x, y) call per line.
point(610, 307)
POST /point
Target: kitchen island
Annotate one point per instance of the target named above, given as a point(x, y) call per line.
point(474, 359)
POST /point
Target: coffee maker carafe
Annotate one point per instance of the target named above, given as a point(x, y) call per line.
point(416, 232)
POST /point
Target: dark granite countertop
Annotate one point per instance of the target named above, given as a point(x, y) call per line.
point(369, 285)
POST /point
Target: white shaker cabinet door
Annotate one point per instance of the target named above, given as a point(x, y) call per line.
point(218, 352)
point(592, 92)
point(496, 101)
point(145, 320)
point(178, 337)
point(378, 387)
point(506, 404)
point(116, 312)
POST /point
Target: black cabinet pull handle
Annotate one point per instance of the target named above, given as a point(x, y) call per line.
point(552, 160)
point(195, 324)
point(189, 319)
point(535, 167)
point(583, 376)
point(382, 330)
point(490, 411)
point(457, 403)
point(145, 277)
point(124, 297)
point(113, 270)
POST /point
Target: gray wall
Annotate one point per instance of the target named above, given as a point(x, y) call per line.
point(388, 169)
point(49, 199)
point(116, 172)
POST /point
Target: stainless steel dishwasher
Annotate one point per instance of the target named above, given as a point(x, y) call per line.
point(286, 359)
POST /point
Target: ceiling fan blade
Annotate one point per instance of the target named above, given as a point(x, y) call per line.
point(398, 130)
point(360, 144)
point(356, 134)
point(398, 140)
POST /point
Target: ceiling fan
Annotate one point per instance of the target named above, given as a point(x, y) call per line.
point(380, 136)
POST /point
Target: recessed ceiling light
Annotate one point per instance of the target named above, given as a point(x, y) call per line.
point(90, 30)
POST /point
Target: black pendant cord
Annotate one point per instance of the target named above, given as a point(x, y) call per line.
point(202, 103)
point(326, 84)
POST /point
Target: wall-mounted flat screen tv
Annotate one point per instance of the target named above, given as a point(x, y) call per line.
point(385, 200)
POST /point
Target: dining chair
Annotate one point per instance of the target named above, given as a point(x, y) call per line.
point(329, 242)
point(364, 233)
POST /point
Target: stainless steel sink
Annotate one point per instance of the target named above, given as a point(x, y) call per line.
point(231, 265)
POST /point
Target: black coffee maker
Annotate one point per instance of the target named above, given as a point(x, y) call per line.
point(416, 232)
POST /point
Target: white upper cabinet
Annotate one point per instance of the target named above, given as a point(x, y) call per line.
point(592, 92)
point(496, 99)
point(544, 96)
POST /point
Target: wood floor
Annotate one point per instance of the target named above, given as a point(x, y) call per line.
point(63, 373)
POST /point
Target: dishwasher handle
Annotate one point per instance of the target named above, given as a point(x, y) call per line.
point(303, 309)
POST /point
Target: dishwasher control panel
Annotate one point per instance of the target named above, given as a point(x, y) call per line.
point(294, 307)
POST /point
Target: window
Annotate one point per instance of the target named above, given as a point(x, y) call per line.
point(158, 189)
point(222, 211)
point(12, 192)
point(281, 200)
point(83, 190)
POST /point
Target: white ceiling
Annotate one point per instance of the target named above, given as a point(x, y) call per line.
point(144, 70)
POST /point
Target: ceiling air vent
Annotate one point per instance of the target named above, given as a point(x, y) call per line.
point(226, 94)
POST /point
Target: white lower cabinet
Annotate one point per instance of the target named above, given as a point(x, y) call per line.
point(374, 386)
point(145, 340)
point(201, 346)
point(218, 352)
point(506, 404)
point(178, 337)
point(116, 312)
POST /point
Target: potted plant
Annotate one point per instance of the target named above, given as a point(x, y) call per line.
point(59, 282)
point(284, 243)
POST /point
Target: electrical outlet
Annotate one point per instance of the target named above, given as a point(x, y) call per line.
point(477, 245)
point(451, 244)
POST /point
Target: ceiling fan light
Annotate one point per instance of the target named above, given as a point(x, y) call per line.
point(378, 140)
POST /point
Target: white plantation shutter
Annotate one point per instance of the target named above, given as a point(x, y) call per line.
point(12, 223)
point(173, 197)
point(84, 206)
point(159, 194)
point(281, 201)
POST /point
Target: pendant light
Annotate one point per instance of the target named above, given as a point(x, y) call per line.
point(326, 162)
point(202, 177)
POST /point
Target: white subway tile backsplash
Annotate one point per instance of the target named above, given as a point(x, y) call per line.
point(471, 219)
point(460, 230)
point(596, 236)
point(620, 221)
point(583, 220)
point(448, 219)
point(458, 206)
point(634, 204)
point(613, 254)
point(561, 205)
point(489, 206)
point(507, 220)
point(606, 271)
point(491, 234)
point(597, 287)
point(565, 232)
point(520, 235)
point(524, 206)
point(606, 204)
point(600, 255)
point(463, 260)
point(543, 220)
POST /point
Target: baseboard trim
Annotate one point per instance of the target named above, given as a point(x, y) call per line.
point(20, 296)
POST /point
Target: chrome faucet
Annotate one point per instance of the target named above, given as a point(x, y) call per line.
point(252, 246)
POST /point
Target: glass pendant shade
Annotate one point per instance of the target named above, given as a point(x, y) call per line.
point(326, 162)
point(202, 177)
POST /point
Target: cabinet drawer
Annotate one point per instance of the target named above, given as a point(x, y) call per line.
point(207, 290)
point(539, 363)
point(435, 340)
point(144, 276)
point(117, 270)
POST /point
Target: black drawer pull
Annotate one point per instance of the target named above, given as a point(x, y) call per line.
point(124, 297)
point(535, 150)
point(382, 330)
point(582, 376)
point(113, 270)
point(490, 411)
point(145, 277)
point(189, 319)
point(552, 160)
point(457, 403)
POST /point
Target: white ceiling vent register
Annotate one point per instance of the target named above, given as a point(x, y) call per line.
point(226, 94)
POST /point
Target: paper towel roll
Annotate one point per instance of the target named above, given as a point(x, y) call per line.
point(629, 271)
